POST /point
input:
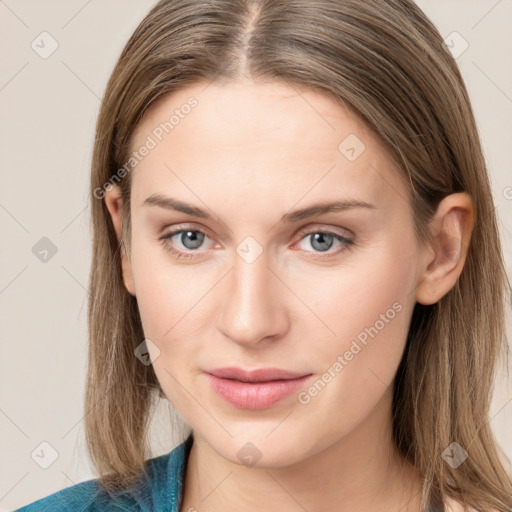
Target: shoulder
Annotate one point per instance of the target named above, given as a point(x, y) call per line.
point(80, 496)
point(89, 496)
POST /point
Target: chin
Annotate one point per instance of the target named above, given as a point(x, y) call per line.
point(261, 450)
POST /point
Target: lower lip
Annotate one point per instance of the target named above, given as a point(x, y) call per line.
point(258, 395)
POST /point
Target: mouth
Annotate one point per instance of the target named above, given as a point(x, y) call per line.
point(258, 375)
point(256, 389)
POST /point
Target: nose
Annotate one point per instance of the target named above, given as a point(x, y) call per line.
point(253, 303)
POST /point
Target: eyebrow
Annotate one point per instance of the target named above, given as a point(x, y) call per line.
point(170, 203)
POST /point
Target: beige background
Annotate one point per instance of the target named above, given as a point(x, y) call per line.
point(48, 109)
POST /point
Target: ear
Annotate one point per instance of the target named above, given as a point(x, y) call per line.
point(114, 204)
point(443, 261)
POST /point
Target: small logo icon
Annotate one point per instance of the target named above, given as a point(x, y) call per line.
point(147, 352)
point(44, 250)
point(44, 455)
point(455, 455)
point(455, 44)
point(249, 249)
point(249, 454)
point(44, 45)
point(351, 147)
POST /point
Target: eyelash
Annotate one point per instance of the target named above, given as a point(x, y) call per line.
point(166, 239)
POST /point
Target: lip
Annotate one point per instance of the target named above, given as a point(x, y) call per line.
point(255, 389)
point(258, 375)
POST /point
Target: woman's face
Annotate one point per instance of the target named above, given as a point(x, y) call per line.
point(260, 278)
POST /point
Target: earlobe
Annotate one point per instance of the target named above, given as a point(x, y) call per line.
point(113, 202)
point(443, 261)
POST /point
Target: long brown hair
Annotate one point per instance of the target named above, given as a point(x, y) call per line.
point(384, 60)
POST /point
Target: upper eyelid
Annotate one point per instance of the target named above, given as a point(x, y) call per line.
point(174, 230)
point(307, 230)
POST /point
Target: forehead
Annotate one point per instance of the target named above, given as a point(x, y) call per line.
point(283, 141)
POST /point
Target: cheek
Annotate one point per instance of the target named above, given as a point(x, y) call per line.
point(369, 308)
point(168, 294)
point(171, 302)
point(366, 307)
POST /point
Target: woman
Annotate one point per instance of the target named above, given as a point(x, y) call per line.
point(294, 243)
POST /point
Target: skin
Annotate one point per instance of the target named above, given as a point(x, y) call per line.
point(249, 153)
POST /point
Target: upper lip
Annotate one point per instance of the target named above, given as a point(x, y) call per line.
point(258, 375)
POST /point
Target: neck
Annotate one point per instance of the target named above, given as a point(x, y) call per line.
point(360, 472)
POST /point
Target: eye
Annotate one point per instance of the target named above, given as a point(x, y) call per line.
point(323, 241)
point(190, 240)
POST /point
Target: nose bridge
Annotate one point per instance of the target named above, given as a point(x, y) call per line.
point(251, 266)
point(249, 308)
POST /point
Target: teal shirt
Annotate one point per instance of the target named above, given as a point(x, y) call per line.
point(161, 491)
